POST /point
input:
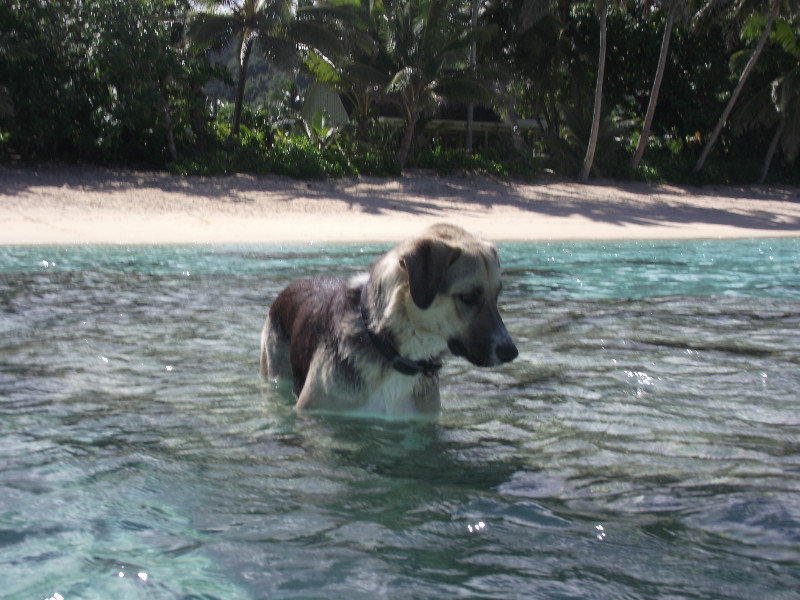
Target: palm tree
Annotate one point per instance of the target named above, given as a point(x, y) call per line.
point(279, 26)
point(774, 9)
point(426, 42)
point(776, 104)
point(567, 145)
point(532, 44)
point(601, 7)
point(673, 9)
point(360, 72)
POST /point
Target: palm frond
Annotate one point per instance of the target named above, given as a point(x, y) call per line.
point(739, 60)
point(400, 80)
point(315, 35)
point(755, 112)
point(365, 75)
point(213, 31)
point(532, 12)
point(278, 49)
point(785, 35)
point(463, 89)
point(282, 10)
point(754, 27)
point(321, 68)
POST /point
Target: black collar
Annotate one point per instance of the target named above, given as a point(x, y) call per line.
point(401, 364)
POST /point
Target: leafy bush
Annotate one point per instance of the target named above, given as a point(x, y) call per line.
point(446, 161)
point(114, 81)
point(290, 149)
point(90, 87)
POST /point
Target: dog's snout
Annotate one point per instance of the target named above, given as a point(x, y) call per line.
point(506, 351)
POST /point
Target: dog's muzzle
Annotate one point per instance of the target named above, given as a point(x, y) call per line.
point(500, 349)
point(506, 351)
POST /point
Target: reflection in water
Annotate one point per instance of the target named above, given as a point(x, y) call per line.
point(644, 444)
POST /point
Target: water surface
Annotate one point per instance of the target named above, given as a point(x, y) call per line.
point(646, 443)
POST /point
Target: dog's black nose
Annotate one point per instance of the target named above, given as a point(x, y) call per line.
point(507, 351)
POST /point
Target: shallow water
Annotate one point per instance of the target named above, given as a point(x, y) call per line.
point(646, 443)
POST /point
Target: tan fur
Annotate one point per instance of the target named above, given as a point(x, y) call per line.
point(436, 290)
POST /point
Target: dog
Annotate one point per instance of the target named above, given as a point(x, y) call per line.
point(375, 343)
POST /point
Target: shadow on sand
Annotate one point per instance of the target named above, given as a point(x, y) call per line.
point(424, 194)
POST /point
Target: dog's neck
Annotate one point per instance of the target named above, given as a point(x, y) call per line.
point(394, 336)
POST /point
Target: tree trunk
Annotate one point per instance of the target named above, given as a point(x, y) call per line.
point(773, 145)
point(237, 109)
point(651, 105)
point(361, 103)
point(472, 50)
point(745, 74)
point(470, 120)
point(405, 144)
point(512, 119)
point(598, 98)
point(173, 152)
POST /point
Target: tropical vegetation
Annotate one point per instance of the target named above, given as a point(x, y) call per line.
point(671, 90)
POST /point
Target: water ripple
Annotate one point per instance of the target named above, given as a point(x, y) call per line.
point(644, 444)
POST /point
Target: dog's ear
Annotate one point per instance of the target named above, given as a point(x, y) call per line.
point(426, 264)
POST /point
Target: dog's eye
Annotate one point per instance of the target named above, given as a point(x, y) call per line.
point(471, 299)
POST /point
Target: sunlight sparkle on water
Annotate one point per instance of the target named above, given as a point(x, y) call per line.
point(477, 527)
point(141, 575)
point(601, 532)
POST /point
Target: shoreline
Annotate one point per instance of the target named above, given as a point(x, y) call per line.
point(89, 205)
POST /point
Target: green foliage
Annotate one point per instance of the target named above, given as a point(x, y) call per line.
point(278, 28)
point(266, 83)
point(85, 86)
point(293, 152)
point(424, 45)
point(567, 146)
point(774, 103)
point(373, 151)
point(319, 129)
point(114, 81)
point(447, 161)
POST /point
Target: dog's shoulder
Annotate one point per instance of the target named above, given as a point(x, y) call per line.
point(315, 298)
point(322, 320)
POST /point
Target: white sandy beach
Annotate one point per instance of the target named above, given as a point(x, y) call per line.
point(75, 205)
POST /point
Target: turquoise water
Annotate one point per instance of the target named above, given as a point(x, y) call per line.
point(646, 443)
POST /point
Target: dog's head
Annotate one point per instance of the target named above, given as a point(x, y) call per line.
point(453, 285)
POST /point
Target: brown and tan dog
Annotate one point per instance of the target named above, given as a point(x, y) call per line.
point(374, 343)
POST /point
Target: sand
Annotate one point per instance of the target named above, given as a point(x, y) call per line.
point(77, 205)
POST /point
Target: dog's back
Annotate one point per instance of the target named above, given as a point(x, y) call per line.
point(298, 322)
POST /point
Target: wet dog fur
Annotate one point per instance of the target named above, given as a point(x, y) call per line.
point(335, 339)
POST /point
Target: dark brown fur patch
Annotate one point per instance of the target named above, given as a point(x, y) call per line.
point(304, 310)
point(426, 265)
